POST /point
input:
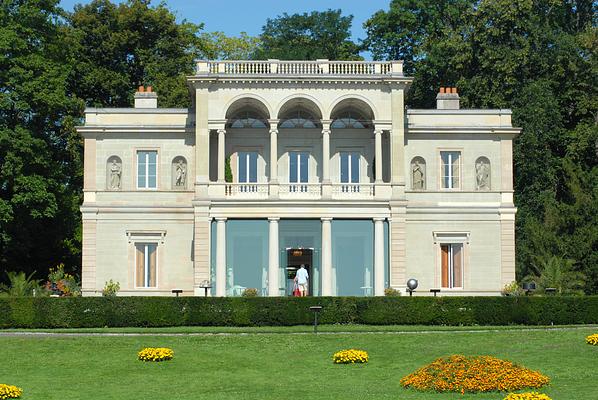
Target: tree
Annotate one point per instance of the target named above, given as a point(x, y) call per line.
point(119, 47)
point(308, 36)
point(218, 46)
point(40, 166)
point(537, 57)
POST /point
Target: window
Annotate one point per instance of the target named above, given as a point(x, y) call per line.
point(452, 265)
point(147, 169)
point(247, 119)
point(350, 119)
point(145, 265)
point(247, 167)
point(450, 169)
point(299, 119)
point(298, 170)
point(349, 171)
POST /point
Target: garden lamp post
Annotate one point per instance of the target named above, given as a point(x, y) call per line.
point(411, 286)
point(316, 310)
point(529, 287)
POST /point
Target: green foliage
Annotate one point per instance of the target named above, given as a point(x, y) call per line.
point(82, 312)
point(250, 292)
point(308, 36)
point(111, 288)
point(512, 289)
point(218, 46)
point(390, 292)
point(537, 57)
point(20, 285)
point(558, 273)
point(228, 172)
point(61, 283)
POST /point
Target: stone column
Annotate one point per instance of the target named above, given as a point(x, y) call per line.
point(273, 267)
point(274, 155)
point(325, 152)
point(220, 257)
point(221, 154)
point(378, 153)
point(326, 257)
point(378, 256)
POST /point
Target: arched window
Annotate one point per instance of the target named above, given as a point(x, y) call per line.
point(350, 119)
point(418, 173)
point(247, 119)
point(114, 173)
point(482, 173)
point(299, 119)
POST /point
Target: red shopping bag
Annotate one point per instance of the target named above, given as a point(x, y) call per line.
point(296, 291)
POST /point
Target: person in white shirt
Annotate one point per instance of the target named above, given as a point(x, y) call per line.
point(301, 279)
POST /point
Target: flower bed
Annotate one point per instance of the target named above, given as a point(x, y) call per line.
point(527, 396)
point(351, 356)
point(592, 339)
point(9, 392)
point(156, 354)
point(464, 374)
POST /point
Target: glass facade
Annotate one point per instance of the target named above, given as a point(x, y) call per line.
point(246, 256)
point(300, 234)
point(352, 257)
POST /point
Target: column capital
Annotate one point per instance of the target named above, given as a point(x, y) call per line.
point(220, 219)
point(377, 131)
point(273, 123)
point(326, 131)
point(326, 219)
point(273, 219)
point(221, 130)
point(326, 124)
point(379, 219)
point(273, 131)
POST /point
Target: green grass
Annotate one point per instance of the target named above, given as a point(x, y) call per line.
point(281, 365)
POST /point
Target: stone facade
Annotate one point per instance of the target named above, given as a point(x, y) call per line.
point(326, 163)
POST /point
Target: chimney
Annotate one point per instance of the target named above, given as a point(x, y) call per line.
point(447, 99)
point(145, 98)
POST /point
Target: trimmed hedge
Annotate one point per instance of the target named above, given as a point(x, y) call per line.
point(89, 312)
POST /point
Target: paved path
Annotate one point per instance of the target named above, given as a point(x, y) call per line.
point(49, 333)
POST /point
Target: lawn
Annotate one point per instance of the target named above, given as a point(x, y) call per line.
point(282, 365)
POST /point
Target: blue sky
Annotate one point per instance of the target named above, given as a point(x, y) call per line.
point(235, 16)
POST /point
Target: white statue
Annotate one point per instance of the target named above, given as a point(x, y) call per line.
point(180, 173)
point(419, 175)
point(115, 171)
point(482, 175)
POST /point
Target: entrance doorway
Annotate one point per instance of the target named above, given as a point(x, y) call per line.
point(295, 258)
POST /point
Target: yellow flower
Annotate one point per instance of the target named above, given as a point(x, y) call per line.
point(155, 354)
point(592, 339)
point(9, 392)
point(350, 356)
point(527, 396)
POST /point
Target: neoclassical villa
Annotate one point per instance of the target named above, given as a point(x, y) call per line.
point(283, 163)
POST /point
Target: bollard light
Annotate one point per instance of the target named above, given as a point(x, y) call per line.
point(411, 286)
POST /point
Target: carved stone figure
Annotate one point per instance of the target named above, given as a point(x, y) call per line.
point(115, 175)
point(180, 174)
point(482, 174)
point(419, 175)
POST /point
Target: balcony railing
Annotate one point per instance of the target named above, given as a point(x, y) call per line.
point(300, 190)
point(353, 191)
point(246, 190)
point(318, 67)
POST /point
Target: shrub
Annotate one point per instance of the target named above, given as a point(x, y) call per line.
point(137, 311)
point(464, 374)
point(61, 283)
point(592, 339)
point(9, 392)
point(156, 354)
point(527, 396)
point(512, 289)
point(391, 292)
point(110, 289)
point(351, 356)
point(250, 292)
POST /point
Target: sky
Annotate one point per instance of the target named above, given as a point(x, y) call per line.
point(235, 16)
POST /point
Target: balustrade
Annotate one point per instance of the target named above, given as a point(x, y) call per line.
point(318, 67)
